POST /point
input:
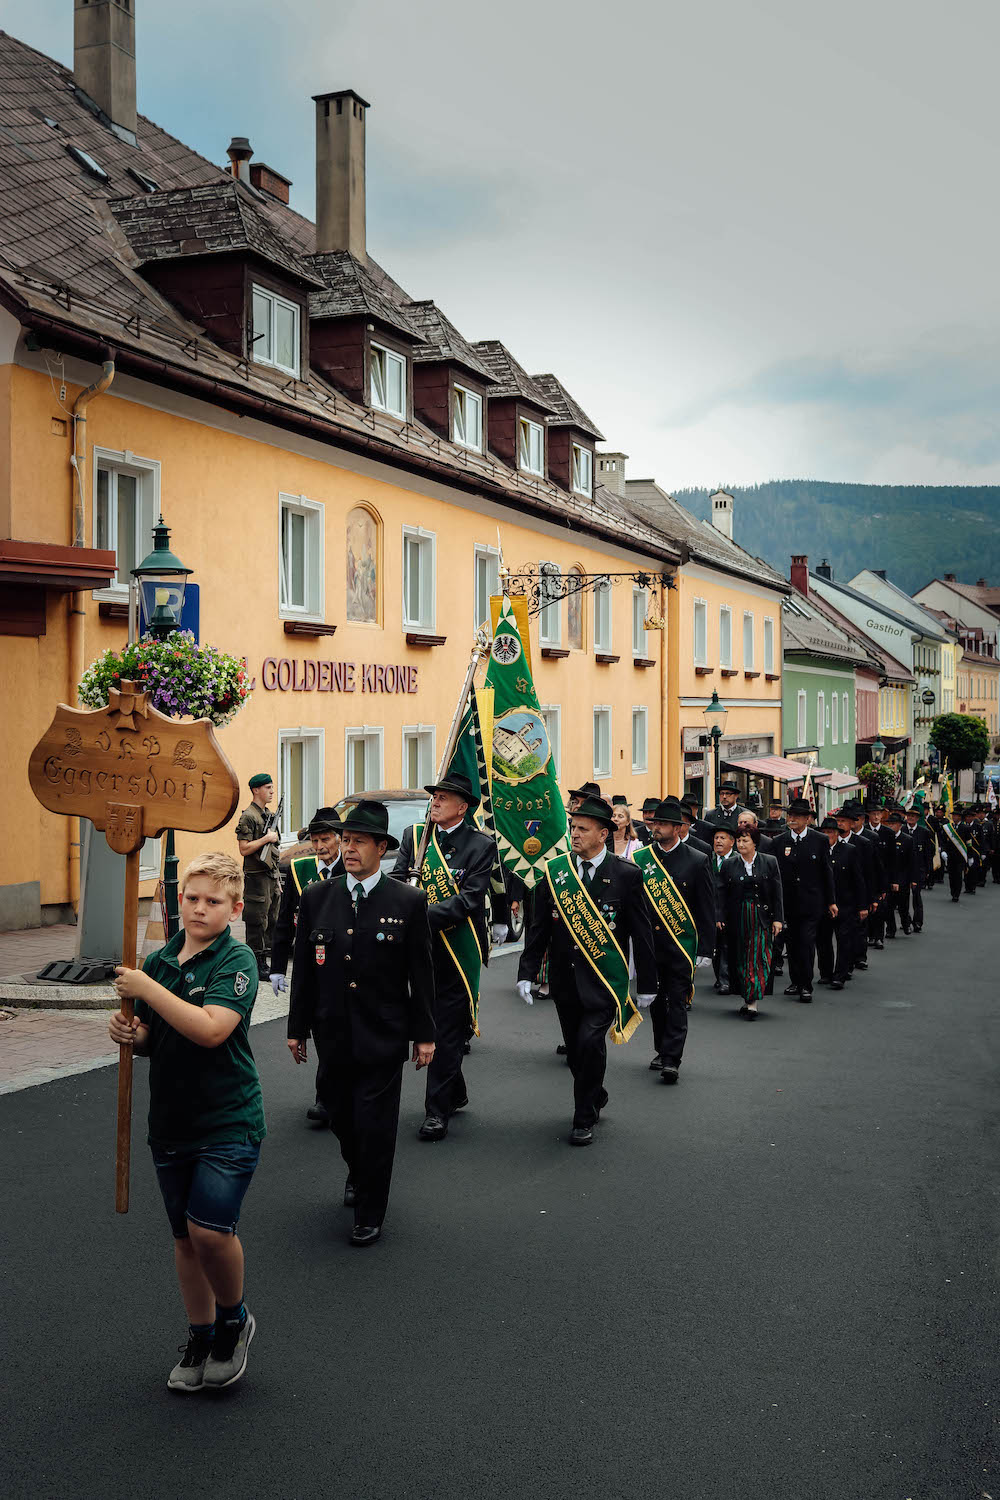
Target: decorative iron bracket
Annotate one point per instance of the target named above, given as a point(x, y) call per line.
point(544, 587)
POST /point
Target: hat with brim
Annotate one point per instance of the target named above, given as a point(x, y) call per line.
point(589, 789)
point(458, 785)
point(371, 818)
point(800, 806)
point(896, 816)
point(650, 804)
point(829, 825)
point(669, 811)
point(725, 828)
point(596, 808)
point(852, 810)
point(729, 786)
point(261, 779)
point(619, 801)
point(324, 820)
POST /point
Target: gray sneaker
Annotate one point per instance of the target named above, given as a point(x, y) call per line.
point(226, 1366)
point(189, 1374)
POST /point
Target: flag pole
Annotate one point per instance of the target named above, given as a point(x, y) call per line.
point(480, 646)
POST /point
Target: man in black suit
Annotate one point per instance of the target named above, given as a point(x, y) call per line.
point(649, 807)
point(879, 919)
point(803, 856)
point(904, 867)
point(578, 794)
point(363, 986)
point(749, 819)
point(469, 855)
point(323, 864)
point(850, 889)
point(728, 811)
point(850, 822)
point(586, 1007)
point(700, 829)
point(722, 852)
point(923, 863)
point(691, 874)
point(689, 837)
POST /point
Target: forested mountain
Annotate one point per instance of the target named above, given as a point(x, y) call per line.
point(912, 531)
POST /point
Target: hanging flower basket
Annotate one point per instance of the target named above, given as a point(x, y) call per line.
point(183, 679)
point(879, 779)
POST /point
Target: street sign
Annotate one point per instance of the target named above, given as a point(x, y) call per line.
point(927, 696)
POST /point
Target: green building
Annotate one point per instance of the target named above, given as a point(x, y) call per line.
point(818, 697)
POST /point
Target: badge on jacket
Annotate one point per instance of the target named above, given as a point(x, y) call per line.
point(320, 954)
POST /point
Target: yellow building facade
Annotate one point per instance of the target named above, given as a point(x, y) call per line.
point(978, 684)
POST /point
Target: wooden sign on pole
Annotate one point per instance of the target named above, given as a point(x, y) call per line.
point(133, 772)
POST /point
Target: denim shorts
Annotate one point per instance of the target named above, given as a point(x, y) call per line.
point(206, 1184)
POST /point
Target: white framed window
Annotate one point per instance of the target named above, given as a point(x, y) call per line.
point(275, 331)
point(486, 584)
point(362, 759)
point(583, 470)
point(151, 859)
point(126, 492)
point(387, 380)
point(418, 755)
point(801, 721)
point(639, 608)
point(602, 743)
point(552, 719)
point(300, 556)
point(725, 636)
point(748, 662)
point(640, 740)
point(550, 615)
point(602, 616)
point(467, 418)
point(768, 644)
point(834, 719)
point(845, 720)
point(300, 783)
point(821, 718)
point(530, 446)
point(700, 633)
point(419, 606)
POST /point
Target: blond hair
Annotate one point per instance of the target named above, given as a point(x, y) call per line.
point(221, 868)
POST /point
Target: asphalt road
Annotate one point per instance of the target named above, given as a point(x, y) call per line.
point(775, 1280)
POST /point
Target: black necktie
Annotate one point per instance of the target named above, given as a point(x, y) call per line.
point(359, 895)
point(587, 873)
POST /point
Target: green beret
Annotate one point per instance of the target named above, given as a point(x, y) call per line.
point(261, 779)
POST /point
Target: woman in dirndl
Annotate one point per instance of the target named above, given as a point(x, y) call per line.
point(751, 913)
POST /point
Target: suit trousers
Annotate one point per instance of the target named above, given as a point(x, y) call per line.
point(901, 905)
point(585, 1028)
point(995, 862)
point(956, 872)
point(837, 943)
point(669, 1016)
point(800, 941)
point(876, 923)
point(363, 1102)
point(917, 898)
point(262, 898)
point(971, 874)
point(720, 961)
point(445, 1081)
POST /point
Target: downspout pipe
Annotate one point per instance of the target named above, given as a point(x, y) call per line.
point(77, 610)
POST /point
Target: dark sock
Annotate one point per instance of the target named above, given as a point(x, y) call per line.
point(202, 1334)
point(230, 1317)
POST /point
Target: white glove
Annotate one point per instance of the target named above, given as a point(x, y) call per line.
point(701, 963)
point(278, 983)
point(644, 1001)
point(500, 930)
point(524, 991)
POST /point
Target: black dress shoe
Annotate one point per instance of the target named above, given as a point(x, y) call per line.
point(878, 944)
point(836, 984)
point(805, 997)
point(433, 1129)
point(779, 968)
point(656, 1063)
point(862, 963)
point(793, 989)
point(670, 1072)
point(581, 1135)
point(915, 928)
point(603, 1103)
point(318, 1114)
point(561, 1050)
point(350, 1194)
point(363, 1235)
point(460, 1103)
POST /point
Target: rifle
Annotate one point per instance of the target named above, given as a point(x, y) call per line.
point(269, 853)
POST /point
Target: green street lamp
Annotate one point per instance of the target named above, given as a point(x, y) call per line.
point(878, 751)
point(715, 715)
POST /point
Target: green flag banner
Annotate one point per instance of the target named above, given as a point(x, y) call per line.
point(528, 809)
point(594, 939)
point(304, 871)
point(461, 942)
point(668, 903)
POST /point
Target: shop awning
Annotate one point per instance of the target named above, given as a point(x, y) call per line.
point(838, 781)
point(778, 768)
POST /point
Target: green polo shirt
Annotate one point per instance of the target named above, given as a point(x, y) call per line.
point(203, 1095)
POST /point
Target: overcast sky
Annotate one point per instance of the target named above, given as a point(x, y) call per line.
point(755, 240)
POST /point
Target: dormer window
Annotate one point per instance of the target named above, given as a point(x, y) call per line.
point(467, 418)
point(583, 470)
point(388, 381)
point(275, 331)
point(531, 447)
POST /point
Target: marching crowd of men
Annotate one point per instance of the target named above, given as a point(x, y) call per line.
point(385, 967)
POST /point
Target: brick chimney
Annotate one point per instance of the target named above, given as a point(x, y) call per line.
point(722, 512)
point(340, 172)
point(799, 574)
point(104, 57)
point(268, 181)
point(611, 472)
point(949, 578)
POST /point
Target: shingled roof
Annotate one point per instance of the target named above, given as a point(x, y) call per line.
point(805, 629)
point(441, 340)
point(512, 379)
point(351, 291)
point(213, 218)
point(703, 542)
point(567, 412)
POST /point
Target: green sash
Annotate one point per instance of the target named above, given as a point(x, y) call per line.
point(668, 903)
point(462, 942)
point(305, 870)
point(959, 843)
point(594, 939)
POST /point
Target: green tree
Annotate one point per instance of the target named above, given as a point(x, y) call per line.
point(960, 739)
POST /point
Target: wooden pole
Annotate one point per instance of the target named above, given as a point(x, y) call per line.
point(130, 924)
